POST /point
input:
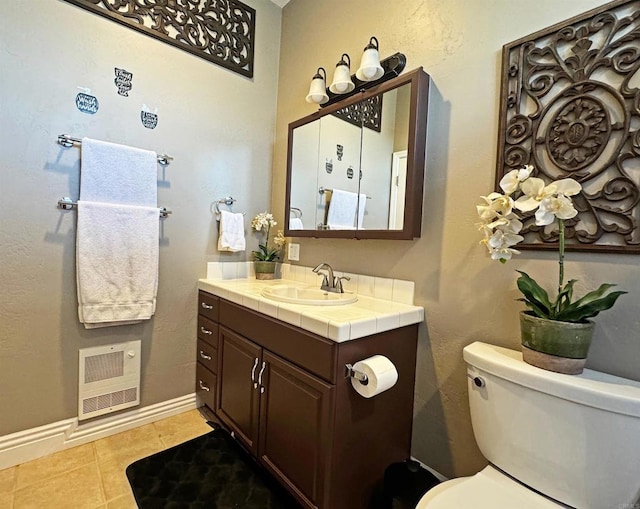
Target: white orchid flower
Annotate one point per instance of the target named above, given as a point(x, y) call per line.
point(503, 254)
point(535, 191)
point(501, 239)
point(510, 182)
point(554, 207)
point(496, 205)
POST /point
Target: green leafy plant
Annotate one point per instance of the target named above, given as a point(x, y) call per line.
point(501, 227)
point(264, 222)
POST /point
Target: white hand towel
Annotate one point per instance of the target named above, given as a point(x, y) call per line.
point(362, 202)
point(295, 223)
point(112, 173)
point(117, 263)
point(342, 210)
point(231, 236)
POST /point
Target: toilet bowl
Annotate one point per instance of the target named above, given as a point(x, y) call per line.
point(552, 441)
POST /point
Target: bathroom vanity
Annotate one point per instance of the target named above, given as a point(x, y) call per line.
point(278, 383)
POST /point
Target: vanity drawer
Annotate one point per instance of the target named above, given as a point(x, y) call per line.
point(208, 305)
point(309, 351)
point(208, 331)
point(207, 356)
point(206, 384)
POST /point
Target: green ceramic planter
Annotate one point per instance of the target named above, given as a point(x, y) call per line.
point(554, 345)
point(264, 270)
point(563, 339)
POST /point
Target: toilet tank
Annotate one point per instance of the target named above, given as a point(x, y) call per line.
point(574, 438)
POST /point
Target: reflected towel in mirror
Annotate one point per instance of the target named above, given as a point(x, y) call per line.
point(342, 210)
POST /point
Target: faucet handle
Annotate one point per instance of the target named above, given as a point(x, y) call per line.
point(325, 280)
point(338, 283)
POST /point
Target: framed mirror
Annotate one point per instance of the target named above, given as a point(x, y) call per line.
point(355, 169)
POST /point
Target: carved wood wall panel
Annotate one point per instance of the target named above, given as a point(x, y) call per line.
point(570, 106)
point(221, 31)
point(366, 113)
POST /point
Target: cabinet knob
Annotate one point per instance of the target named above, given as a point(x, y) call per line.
point(205, 331)
point(206, 306)
point(205, 356)
point(203, 386)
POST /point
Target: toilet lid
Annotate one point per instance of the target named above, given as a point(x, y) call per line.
point(488, 489)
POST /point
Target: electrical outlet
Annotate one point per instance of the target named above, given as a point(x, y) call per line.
point(293, 252)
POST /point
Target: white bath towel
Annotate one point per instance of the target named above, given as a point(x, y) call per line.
point(295, 223)
point(117, 263)
point(343, 208)
point(231, 237)
point(112, 173)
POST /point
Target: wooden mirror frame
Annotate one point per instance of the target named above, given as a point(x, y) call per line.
point(416, 153)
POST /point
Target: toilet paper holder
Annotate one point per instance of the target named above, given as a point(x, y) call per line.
point(349, 372)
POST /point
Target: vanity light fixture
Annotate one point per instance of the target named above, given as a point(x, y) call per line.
point(318, 89)
point(342, 83)
point(370, 68)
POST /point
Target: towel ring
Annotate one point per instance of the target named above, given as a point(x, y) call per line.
point(227, 200)
point(296, 212)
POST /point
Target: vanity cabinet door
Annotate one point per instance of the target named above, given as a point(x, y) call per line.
point(239, 364)
point(295, 428)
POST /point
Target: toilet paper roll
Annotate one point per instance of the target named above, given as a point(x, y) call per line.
point(381, 374)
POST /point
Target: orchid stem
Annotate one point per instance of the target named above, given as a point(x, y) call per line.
point(560, 255)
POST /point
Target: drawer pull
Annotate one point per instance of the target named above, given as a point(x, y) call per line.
point(206, 306)
point(203, 386)
point(205, 356)
point(205, 331)
point(264, 365)
point(253, 373)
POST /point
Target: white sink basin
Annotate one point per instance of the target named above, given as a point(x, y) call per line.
point(308, 295)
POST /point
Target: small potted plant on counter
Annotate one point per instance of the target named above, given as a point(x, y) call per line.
point(265, 257)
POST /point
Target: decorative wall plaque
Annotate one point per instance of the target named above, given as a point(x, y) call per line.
point(123, 81)
point(570, 106)
point(367, 113)
point(87, 103)
point(149, 120)
point(221, 31)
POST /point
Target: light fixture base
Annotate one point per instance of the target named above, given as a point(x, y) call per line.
point(392, 66)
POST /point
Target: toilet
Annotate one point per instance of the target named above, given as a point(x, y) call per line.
point(551, 440)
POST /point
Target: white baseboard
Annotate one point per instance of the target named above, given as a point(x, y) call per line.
point(34, 443)
point(438, 475)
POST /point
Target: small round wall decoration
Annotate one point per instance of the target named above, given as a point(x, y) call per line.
point(149, 120)
point(87, 103)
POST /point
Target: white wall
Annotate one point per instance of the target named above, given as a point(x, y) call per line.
point(467, 297)
point(219, 127)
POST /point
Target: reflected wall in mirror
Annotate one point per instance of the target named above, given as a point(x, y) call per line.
point(356, 168)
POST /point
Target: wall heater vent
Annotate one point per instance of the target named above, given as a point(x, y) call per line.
point(109, 379)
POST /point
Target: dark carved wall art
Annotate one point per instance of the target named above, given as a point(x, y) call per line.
point(221, 31)
point(367, 113)
point(570, 106)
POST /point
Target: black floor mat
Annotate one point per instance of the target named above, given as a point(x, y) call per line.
point(211, 471)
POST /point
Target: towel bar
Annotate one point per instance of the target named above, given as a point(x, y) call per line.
point(322, 190)
point(67, 204)
point(68, 141)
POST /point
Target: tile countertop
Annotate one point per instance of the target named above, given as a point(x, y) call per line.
point(365, 317)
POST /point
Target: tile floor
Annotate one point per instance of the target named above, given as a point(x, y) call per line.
point(92, 476)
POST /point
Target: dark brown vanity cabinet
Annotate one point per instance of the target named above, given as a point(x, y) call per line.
point(282, 391)
point(280, 413)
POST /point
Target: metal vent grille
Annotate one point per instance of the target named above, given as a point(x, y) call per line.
point(107, 401)
point(109, 379)
point(104, 366)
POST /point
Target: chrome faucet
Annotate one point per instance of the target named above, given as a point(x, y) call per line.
point(330, 283)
